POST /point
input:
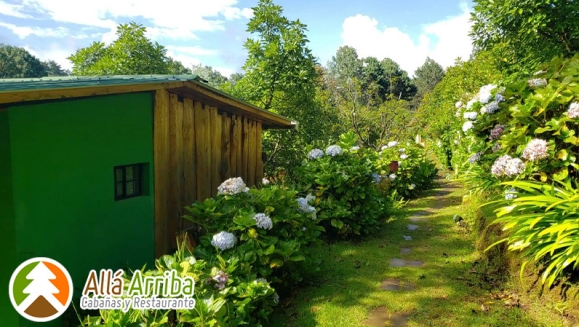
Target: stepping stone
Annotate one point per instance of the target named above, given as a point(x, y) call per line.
point(397, 262)
point(380, 317)
point(405, 263)
point(393, 284)
point(405, 250)
point(412, 227)
point(407, 238)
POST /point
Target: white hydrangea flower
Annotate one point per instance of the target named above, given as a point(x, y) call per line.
point(392, 177)
point(537, 82)
point(402, 150)
point(355, 148)
point(485, 93)
point(333, 150)
point(403, 156)
point(470, 115)
point(458, 105)
point(232, 186)
point(412, 186)
point(265, 181)
point(223, 240)
point(498, 168)
point(392, 143)
point(315, 154)
point(536, 149)
point(573, 111)
point(467, 126)
point(263, 221)
point(471, 103)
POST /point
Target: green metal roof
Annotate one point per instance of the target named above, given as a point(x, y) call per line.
point(58, 82)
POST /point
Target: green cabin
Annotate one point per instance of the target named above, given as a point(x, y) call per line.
point(95, 171)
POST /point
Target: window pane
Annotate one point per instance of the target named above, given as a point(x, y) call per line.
point(119, 191)
point(130, 188)
point(129, 171)
point(138, 190)
point(118, 174)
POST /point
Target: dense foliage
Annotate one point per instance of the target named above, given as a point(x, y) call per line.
point(17, 62)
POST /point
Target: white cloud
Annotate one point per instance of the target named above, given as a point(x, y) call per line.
point(443, 41)
point(191, 50)
point(186, 60)
point(168, 19)
point(224, 71)
point(25, 31)
point(13, 10)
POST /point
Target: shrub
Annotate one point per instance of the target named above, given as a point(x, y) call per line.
point(267, 229)
point(543, 225)
point(343, 179)
point(226, 294)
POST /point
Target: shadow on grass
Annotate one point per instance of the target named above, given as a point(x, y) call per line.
point(451, 288)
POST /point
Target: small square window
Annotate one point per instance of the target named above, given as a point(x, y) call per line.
point(128, 181)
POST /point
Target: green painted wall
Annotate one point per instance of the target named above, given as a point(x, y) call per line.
point(8, 316)
point(63, 154)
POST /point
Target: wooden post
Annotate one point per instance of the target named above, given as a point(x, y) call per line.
point(224, 167)
point(216, 125)
point(259, 165)
point(161, 161)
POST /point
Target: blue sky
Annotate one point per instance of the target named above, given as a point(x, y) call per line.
point(213, 32)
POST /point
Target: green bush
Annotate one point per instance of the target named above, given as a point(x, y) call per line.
point(226, 294)
point(343, 179)
point(415, 172)
point(268, 229)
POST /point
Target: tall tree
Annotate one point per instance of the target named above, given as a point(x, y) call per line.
point(16, 62)
point(176, 67)
point(426, 77)
point(213, 77)
point(130, 54)
point(346, 64)
point(400, 86)
point(524, 33)
point(54, 69)
point(280, 76)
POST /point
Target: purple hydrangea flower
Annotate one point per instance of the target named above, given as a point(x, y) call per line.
point(496, 132)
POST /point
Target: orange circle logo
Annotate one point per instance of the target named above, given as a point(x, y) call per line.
point(40, 289)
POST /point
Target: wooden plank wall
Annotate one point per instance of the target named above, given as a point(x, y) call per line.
point(197, 147)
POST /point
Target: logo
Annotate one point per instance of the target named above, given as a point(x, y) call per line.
point(108, 290)
point(40, 289)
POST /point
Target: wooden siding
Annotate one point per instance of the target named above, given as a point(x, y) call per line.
point(197, 147)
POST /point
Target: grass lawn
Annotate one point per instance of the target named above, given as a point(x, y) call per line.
point(450, 289)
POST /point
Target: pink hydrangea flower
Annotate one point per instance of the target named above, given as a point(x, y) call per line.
point(536, 150)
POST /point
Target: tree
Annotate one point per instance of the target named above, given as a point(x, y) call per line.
point(426, 77)
point(213, 77)
point(346, 64)
point(52, 68)
point(16, 62)
point(176, 67)
point(280, 76)
point(131, 54)
point(400, 86)
point(524, 33)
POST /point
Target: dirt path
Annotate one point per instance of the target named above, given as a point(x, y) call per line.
point(421, 270)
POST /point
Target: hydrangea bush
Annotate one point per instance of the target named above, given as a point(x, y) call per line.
point(524, 145)
point(342, 178)
point(226, 294)
point(415, 171)
point(268, 228)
